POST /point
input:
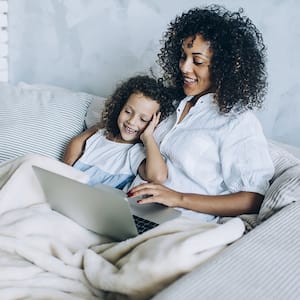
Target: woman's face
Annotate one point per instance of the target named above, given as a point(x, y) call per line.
point(194, 66)
point(135, 116)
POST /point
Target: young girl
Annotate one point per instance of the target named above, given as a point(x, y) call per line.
point(113, 154)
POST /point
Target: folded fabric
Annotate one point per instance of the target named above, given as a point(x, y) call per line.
point(140, 267)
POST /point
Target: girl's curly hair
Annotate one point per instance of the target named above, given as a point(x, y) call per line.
point(143, 84)
point(237, 68)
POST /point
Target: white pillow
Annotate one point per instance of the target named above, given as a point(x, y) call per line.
point(39, 119)
point(94, 111)
point(291, 149)
point(285, 184)
point(284, 190)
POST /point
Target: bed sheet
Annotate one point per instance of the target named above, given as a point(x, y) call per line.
point(45, 255)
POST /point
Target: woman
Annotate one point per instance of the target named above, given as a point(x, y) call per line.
point(215, 150)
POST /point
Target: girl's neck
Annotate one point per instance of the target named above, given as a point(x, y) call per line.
point(117, 139)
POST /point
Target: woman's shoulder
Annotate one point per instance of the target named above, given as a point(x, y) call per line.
point(246, 117)
point(244, 124)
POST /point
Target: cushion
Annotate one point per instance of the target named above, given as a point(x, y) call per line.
point(284, 187)
point(285, 184)
point(39, 119)
point(95, 107)
point(94, 111)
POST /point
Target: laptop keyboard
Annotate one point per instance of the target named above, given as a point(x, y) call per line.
point(143, 225)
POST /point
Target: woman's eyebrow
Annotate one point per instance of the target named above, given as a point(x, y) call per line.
point(199, 53)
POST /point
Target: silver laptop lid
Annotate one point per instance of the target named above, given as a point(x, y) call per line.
point(104, 209)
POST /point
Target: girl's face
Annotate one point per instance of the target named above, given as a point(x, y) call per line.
point(135, 116)
point(194, 66)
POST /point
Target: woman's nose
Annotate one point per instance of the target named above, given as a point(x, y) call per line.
point(186, 66)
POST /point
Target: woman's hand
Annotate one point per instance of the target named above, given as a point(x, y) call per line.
point(156, 193)
point(150, 127)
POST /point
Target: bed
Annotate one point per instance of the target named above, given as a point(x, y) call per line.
point(45, 255)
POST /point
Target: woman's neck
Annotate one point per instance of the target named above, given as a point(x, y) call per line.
point(190, 104)
point(197, 97)
point(186, 109)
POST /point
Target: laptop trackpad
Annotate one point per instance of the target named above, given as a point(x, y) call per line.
point(152, 211)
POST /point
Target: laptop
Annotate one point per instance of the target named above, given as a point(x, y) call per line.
point(102, 209)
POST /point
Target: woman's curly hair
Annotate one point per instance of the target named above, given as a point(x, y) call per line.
point(148, 86)
point(237, 68)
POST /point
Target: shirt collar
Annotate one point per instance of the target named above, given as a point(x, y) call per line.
point(206, 100)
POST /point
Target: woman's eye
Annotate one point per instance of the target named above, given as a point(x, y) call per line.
point(128, 112)
point(145, 121)
point(198, 63)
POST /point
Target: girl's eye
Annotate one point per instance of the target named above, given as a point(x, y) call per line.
point(198, 63)
point(128, 112)
point(145, 121)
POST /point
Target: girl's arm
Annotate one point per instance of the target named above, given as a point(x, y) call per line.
point(153, 168)
point(76, 146)
point(222, 205)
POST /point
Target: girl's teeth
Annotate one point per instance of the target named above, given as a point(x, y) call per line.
point(130, 131)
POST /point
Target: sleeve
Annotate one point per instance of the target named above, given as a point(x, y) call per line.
point(245, 158)
point(136, 154)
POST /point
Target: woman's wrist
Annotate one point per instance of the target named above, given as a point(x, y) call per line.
point(180, 200)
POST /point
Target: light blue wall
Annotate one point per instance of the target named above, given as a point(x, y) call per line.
point(90, 45)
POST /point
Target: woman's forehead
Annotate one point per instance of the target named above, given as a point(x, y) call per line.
point(197, 44)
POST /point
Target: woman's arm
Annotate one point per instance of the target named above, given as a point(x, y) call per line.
point(222, 205)
point(153, 168)
point(76, 146)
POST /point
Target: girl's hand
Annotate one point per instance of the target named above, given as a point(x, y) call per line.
point(148, 131)
point(156, 193)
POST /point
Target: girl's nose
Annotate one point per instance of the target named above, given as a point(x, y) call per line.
point(131, 120)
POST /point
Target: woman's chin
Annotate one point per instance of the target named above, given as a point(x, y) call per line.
point(190, 92)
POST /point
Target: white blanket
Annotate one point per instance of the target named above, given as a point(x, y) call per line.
point(45, 255)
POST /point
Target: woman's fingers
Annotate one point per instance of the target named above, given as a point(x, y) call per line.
point(148, 190)
point(155, 193)
point(142, 189)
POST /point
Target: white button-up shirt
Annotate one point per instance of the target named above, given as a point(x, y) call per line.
point(211, 153)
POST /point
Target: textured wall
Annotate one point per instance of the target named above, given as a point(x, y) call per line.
point(3, 41)
point(90, 45)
